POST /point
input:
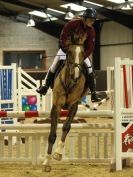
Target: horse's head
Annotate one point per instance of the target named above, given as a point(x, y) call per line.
point(76, 39)
point(75, 54)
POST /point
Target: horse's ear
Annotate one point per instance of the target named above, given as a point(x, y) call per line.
point(73, 37)
point(68, 42)
point(84, 37)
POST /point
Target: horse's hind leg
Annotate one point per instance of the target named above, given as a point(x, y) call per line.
point(65, 130)
point(52, 137)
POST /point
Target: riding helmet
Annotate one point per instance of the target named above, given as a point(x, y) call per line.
point(90, 13)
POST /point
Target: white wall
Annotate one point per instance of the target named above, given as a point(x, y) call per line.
point(115, 41)
point(16, 36)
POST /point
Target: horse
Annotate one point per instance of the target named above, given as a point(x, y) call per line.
point(69, 88)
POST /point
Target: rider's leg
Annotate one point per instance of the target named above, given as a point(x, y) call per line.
point(56, 65)
point(91, 81)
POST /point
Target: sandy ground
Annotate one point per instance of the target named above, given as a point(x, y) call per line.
point(64, 170)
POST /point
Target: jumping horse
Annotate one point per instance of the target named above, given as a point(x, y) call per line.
point(69, 88)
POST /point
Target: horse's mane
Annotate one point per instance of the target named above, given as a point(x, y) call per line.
point(76, 39)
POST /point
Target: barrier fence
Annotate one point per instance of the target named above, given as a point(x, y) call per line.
point(13, 149)
point(8, 87)
point(18, 91)
point(123, 111)
point(88, 142)
point(94, 144)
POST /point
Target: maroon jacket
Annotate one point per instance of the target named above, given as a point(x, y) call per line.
point(77, 26)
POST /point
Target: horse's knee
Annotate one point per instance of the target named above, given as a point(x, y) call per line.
point(66, 127)
point(52, 138)
point(54, 111)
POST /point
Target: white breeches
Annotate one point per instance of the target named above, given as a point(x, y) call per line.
point(62, 56)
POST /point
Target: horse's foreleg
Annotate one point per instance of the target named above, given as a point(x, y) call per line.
point(67, 124)
point(66, 128)
point(52, 135)
point(51, 138)
point(47, 163)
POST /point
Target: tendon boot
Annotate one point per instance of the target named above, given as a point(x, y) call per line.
point(49, 80)
point(91, 82)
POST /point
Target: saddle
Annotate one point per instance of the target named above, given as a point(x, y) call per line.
point(59, 68)
point(57, 71)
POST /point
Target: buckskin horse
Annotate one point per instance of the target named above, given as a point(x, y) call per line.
point(69, 88)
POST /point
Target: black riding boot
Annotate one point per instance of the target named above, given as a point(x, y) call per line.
point(49, 80)
point(91, 82)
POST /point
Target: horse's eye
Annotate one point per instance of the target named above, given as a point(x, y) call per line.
point(70, 52)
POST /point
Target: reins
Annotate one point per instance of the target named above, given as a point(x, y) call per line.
point(72, 65)
point(77, 65)
point(67, 89)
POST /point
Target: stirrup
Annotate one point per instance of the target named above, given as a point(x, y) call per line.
point(42, 89)
point(95, 97)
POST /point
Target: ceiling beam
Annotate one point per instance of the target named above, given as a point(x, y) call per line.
point(53, 28)
point(23, 4)
point(46, 26)
point(122, 18)
point(119, 17)
point(7, 13)
point(56, 14)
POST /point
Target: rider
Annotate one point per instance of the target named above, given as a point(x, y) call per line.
point(78, 26)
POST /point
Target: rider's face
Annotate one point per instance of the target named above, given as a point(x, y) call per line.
point(89, 21)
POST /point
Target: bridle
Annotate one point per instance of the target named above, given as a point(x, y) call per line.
point(70, 67)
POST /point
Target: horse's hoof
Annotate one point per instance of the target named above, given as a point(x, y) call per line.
point(57, 156)
point(46, 168)
point(113, 167)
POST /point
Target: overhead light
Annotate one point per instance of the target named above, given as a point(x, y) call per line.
point(44, 15)
point(54, 10)
point(31, 22)
point(51, 19)
point(119, 1)
point(39, 14)
point(69, 15)
point(89, 2)
point(74, 7)
point(123, 4)
point(126, 7)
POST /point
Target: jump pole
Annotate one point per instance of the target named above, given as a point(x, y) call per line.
point(30, 114)
point(125, 87)
point(47, 126)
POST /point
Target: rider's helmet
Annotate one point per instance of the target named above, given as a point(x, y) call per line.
point(90, 13)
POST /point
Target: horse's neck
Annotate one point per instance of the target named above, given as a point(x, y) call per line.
point(75, 56)
point(66, 72)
